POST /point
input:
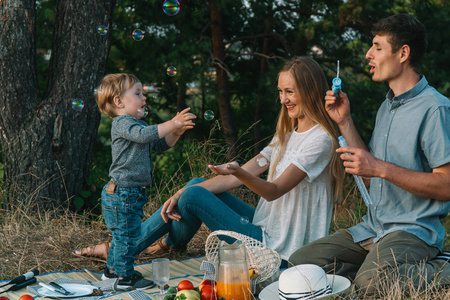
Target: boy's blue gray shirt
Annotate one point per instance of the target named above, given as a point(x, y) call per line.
point(132, 142)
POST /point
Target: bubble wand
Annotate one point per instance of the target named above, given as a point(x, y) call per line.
point(336, 83)
point(359, 181)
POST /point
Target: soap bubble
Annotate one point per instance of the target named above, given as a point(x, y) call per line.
point(171, 71)
point(171, 7)
point(138, 34)
point(209, 115)
point(244, 220)
point(143, 112)
point(102, 30)
point(77, 104)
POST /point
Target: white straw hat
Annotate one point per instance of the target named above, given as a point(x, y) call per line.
point(305, 282)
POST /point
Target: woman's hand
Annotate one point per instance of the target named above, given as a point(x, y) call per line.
point(225, 169)
point(168, 210)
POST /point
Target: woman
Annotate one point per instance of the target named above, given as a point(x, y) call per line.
point(305, 176)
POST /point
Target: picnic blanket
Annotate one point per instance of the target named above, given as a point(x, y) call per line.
point(179, 270)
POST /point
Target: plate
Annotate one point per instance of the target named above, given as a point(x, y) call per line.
point(269, 292)
point(79, 290)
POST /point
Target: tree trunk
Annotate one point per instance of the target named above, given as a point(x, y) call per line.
point(225, 109)
point(262, 89)
point(46, 143)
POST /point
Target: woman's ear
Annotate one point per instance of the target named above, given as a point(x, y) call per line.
point(118, 102)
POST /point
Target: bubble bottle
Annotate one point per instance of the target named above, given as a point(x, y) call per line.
point(336, 82)
point(358, 179)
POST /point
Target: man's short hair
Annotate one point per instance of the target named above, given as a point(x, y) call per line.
point(404, 29)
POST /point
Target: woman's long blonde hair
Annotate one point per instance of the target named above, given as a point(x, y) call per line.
point(311, 86)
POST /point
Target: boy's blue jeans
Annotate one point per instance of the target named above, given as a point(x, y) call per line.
point(123, 213)
point(196, 205)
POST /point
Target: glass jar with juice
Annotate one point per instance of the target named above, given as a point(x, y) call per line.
point(233, 282)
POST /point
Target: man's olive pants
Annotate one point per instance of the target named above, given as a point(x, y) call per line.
point(399, 256)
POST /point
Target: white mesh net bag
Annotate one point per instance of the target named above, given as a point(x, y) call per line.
point(260, 257)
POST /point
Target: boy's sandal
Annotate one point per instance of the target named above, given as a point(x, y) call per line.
point(97, 251)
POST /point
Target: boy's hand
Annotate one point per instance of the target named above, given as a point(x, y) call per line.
point(183, 121)
point(179, 132)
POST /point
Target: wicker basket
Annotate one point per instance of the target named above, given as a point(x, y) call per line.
point(265, 260)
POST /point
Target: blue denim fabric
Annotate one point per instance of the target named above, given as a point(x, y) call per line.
point(123, 213)
point(196, 205)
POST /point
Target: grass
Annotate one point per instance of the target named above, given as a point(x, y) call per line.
point(46, 240)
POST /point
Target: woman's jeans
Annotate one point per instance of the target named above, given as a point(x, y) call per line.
point(123, 213)
point(196, 205)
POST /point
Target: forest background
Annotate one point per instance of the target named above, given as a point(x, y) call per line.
point(226, 54)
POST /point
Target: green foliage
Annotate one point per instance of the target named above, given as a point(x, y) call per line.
point(326, 30)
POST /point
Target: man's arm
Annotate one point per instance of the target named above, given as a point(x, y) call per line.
point(338, 108)
point(434, 185)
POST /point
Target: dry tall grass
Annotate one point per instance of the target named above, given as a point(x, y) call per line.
point(46, 240)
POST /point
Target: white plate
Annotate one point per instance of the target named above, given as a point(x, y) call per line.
point(270, 292)
point(79, 290)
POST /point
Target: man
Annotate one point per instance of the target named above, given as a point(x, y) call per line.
point(408, 169)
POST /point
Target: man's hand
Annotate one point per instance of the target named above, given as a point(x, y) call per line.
point(360, 162)
point(338, 108)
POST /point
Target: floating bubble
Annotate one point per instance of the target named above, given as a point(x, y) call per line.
point(77, 104)
point(143, 112)
point(102, 30)
point(209, 115)
point(171, 7)
point(138, 34)
point(244, 220)
point(171, 71)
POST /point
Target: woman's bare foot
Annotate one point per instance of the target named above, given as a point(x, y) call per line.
point(98, 251)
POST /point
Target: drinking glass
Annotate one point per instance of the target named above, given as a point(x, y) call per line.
point(161, 273)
